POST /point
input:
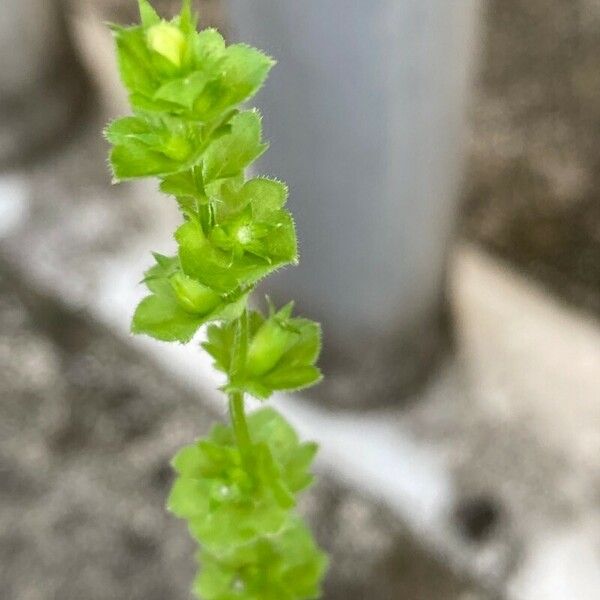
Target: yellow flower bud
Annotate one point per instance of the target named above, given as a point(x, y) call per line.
point(167, 40)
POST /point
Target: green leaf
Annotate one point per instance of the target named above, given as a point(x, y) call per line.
point(133, 58)
point(296, 469)
point(219, 344)
point(290, 345)
point(143, 103)
point(294, 458)
point(282, 354)
point(151, 146)
point(122, 130)
point(202, 261)
point(226, 505)
point(136, 159)
point(223, 268)
point(157, 277)
point(184, 184)
point(232, 153)
point(183, 91)
point(267, 196)
point(189, 498)
point(179, 305)
point(188, 21)
point(189, 462)
point(209, 50)
point(192, 295)
point(237, 73)
point(292, 379)
point(162, 317)
point(232, 525)
point(245, 69)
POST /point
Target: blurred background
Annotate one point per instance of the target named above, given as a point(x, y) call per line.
point(444, 165)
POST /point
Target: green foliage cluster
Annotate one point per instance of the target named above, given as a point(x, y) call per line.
point(237, 488)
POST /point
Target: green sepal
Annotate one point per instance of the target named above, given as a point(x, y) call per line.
point(270, 342)
point(292, 346)
point(179, 305)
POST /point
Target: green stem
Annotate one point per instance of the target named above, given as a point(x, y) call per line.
point(236, 399)
point(240, 425)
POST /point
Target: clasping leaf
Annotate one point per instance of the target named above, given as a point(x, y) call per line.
point(281, 357)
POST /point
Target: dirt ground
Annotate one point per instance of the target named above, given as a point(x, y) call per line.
point(532, 191)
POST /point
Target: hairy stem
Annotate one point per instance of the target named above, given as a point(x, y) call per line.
point(236, 398)
point(240, 426)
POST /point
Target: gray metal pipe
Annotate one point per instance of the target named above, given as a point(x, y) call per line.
point(41, 81)
point(365, 114)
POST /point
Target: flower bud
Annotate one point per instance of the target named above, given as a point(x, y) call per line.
point(177, 148)
point(193, 296)
point(167, 40)
point(268, 345)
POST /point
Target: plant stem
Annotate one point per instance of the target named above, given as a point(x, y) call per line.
point(240, 425)
point(236, 399)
